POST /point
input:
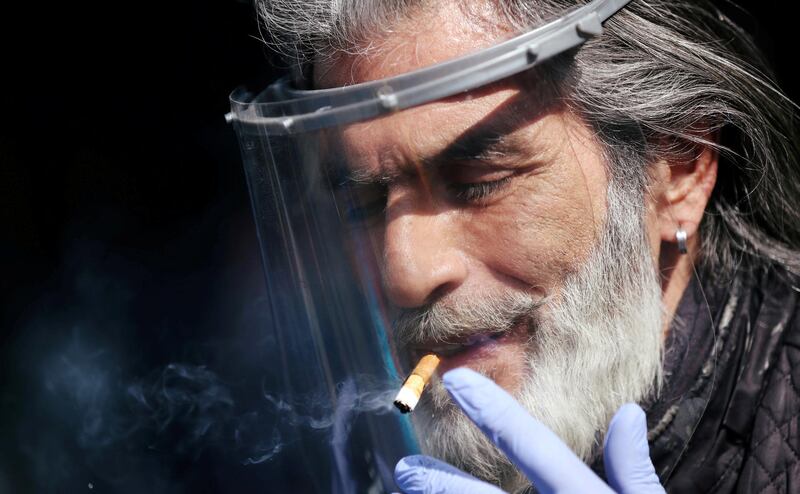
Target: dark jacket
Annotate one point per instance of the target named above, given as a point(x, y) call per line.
point(727, 417)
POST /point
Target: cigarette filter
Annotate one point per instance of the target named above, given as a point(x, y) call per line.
point(409, 394)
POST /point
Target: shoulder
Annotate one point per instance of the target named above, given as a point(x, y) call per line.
point(773, 460)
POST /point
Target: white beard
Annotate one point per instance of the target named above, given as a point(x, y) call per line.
point(596, 344)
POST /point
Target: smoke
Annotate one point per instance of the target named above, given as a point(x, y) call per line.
point(102, 396)
point(358, 394)
point(181, 408)
point(185, 411)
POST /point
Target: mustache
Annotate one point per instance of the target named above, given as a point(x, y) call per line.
point(443, 322)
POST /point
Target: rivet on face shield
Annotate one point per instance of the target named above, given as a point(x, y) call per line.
point(533, 52)
point(590, 26)
point(387, 98)
point(287, 123)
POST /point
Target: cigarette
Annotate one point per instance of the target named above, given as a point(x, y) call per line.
point(408, 396)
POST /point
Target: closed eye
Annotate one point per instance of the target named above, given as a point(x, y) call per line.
point(474, 182)
point(477, 191)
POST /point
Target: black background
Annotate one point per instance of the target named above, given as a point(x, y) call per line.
point(126, 242)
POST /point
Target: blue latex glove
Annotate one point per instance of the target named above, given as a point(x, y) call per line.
point(534, 449)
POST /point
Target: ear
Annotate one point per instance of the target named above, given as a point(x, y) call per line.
point(684, 192)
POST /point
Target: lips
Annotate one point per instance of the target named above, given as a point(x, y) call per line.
point(445, 350)
point(490, 352)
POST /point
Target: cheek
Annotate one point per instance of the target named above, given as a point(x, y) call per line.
point(540, 233)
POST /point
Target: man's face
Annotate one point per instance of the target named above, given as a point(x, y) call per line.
point(487, 214)
point(468, 198)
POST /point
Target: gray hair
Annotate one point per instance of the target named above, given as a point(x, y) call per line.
point(666, 78)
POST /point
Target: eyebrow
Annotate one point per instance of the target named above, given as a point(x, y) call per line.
point(486, 145)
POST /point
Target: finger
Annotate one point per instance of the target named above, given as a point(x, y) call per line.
point(420, 474)
point(627, 455)
point(532, 447)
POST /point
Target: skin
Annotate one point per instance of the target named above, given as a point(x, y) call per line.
point(529, 233)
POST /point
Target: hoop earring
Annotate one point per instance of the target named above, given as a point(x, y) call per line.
point(680, 236)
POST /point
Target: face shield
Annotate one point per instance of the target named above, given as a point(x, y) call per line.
point(336, 178)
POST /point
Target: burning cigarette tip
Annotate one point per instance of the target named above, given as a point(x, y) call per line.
point(408, 396)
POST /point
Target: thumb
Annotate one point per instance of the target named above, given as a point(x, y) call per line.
point(627, 454)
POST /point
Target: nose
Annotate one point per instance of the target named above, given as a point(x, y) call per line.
point(421, 259)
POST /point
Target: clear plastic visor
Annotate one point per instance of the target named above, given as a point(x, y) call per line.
point(360, 195)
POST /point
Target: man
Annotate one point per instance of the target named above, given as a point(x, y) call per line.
point(618, 224)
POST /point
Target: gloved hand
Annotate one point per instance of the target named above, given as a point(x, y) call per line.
point(534, 449)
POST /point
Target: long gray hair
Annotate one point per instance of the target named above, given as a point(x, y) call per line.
point(666, 78)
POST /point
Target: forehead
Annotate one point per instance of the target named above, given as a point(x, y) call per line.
point(424, 36)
